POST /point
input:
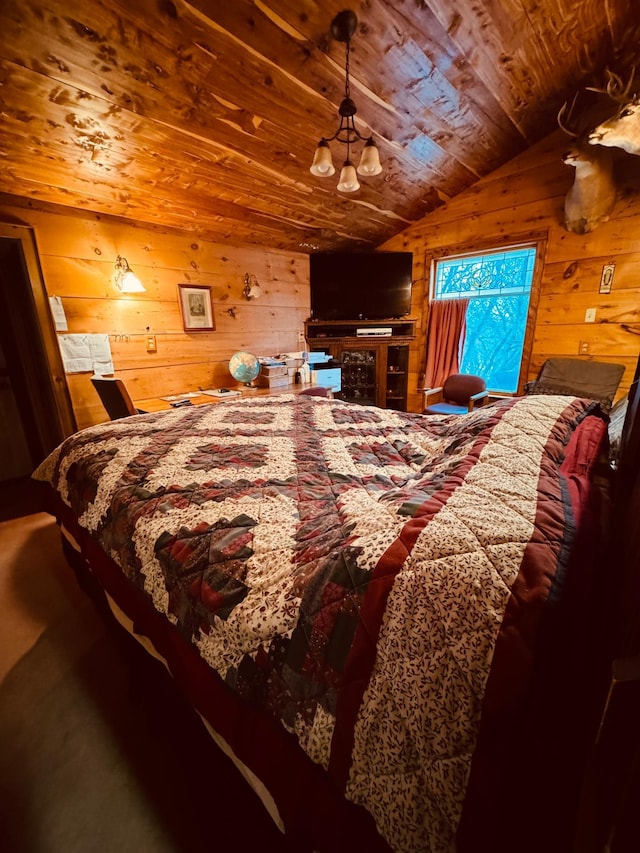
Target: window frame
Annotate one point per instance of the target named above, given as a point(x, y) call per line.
point(538, 240)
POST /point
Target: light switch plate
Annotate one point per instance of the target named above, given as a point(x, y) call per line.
point(590, 315)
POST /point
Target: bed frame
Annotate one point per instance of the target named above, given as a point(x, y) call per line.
point(607, 819)
point(611, 784)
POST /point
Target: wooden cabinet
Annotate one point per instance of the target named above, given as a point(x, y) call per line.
point(374, 358)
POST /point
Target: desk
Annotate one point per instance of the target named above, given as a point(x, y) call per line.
point(157, 404)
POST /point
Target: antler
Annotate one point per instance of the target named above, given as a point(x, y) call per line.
point(565, 118)
point(615, 88)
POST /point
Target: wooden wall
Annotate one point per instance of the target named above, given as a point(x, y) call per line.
point(525, 197)
point(522, 198)
point(77, 254)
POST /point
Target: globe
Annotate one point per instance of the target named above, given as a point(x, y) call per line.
point(244, 367)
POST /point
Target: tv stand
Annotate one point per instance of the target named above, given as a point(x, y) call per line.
point(373, 356)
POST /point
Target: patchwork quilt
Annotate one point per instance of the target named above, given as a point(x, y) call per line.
point(346, 569)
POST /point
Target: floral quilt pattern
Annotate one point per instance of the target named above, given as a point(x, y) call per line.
point(345, 569)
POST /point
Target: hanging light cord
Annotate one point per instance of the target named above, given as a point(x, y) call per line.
point(347, 94)
point(347, 132)
point(347, 87)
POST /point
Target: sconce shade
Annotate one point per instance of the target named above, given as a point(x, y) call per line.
point(131, 283)
point(125, 280)
point(370, 160)
point(322, 165)
point(348, 179)
point(252, 289)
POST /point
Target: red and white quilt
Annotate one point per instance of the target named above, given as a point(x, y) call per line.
point(346, 569)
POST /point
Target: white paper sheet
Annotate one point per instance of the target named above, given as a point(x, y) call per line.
point(59, 317)
point(218, 392)
point(86, 353)
point(171, 398)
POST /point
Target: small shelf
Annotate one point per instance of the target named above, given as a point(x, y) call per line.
point(318, 330)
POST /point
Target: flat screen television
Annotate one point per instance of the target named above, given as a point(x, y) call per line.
point(360, 286)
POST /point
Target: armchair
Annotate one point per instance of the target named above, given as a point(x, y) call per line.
point(578, 377)
point(459, 395)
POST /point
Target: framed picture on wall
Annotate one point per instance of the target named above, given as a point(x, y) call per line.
point(196, 307)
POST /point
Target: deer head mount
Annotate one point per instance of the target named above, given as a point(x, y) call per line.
point(622, 130)
point(592, 197)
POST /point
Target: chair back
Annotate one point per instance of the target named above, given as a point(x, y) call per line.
point(579, 377)
point(318, 391)
point(114, 396)
point(460, 387)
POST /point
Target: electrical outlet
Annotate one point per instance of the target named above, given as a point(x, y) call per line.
point(590, 315)
point(583, 348)
point(151, 343)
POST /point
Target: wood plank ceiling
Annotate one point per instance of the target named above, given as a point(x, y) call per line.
point(204, 115)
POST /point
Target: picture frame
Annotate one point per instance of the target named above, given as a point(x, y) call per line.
point(196, 307)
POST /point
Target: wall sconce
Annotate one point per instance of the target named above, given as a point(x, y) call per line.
point(252, 289)
point(124, 279)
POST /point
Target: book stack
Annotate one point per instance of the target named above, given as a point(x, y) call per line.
point(273, 373)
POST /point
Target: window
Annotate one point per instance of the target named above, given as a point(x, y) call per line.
point(498, 286)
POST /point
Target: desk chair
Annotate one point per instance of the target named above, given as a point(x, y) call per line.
point(114, 396)
point(458, 396)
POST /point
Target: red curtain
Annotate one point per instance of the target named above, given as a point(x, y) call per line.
point(446, 329)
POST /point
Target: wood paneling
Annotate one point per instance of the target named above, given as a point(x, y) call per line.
point(526, 196)
point(77, 255)
point(522, 198)
point(204, 115)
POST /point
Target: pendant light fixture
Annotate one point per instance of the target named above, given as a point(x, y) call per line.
point(343, 27)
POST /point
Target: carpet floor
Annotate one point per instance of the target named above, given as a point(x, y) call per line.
point(91, 760)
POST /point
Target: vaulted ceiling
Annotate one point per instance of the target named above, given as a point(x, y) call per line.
point(204, 115)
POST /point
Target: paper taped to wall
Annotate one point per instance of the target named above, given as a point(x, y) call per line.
point(57, 311)
point(86, 354)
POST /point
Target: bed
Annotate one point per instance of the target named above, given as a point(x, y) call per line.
point(383, 617)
